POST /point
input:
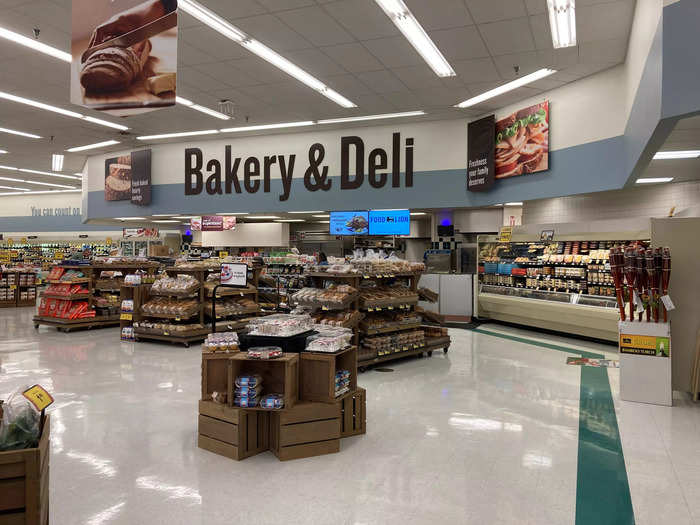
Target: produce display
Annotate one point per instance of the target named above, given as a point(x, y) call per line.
point(20, 426)
point(181, 285)
point(172, 307)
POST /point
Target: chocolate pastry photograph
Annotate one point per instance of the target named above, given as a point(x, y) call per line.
point(124, 55)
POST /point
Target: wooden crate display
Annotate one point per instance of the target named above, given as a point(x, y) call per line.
point(232, 432)
point(306, 430)
point(279, 376)
point(216, 374)
point(24, 483)
point(353, 413)
point(317, 374)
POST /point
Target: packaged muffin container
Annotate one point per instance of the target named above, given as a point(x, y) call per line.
point(272, 401)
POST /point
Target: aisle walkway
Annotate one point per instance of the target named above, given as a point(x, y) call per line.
point(487, 434)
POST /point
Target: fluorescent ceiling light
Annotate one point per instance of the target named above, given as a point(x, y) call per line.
point(513, 204)
point(562, 22)
point(183, 217)
point(79, 175)
point(510, 86)
point(306, 212)
point(290, 220)
point(39, 192)
point(20, 133)
point(57, 162)
point(372, 117)
point(418, 213)
point(7, 168)
point(210, 112)
point(217, 23)
point(164, 221)
point(402, 17)
point(34, 44)
point(38, 183)
point(323, 216)
point(182, 134)
point(654, 180)
point(684, 154)
point(262, 217)
point(323, 222)
point(269, 126)
point(13, 188)
point(233, 214)
point(183, 101)
point(3, 151)
point(40, 105)
point(93, 146)
point(105, 123)
point(130, 218)
point(48, 174)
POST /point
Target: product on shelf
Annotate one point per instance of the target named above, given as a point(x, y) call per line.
point(390, 266)
point(389, 320)
point(273, 401)
point(182, 285)
point(343, 319)
point(392, 343)
point(128, 305)
point(184, 308)
point(149, 327)
point(232, 306)
point(281, 325)
point(127, 333)
point(434, 331)
point(221, 342)
point(387, 295)
point(334, 296)
point(66, 289)
point(329, 339)
point(133, 279)
point(342, 382)
point(265, 352)
point(616, 268)
point(666, 276)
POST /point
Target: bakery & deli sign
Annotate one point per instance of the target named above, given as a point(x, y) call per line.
point(253, 174)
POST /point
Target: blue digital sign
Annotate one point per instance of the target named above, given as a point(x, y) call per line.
point(389, 222)
point(348, 223)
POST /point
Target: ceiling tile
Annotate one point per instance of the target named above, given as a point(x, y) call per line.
point(563, 57)
point(348, 85)
point(535, 7)
point(581, 70)
point(460, 43)
point(403, 100)
point(235, 95)
point(236, 9)
point(417, 77)
point(315, 62)
point(227, 73)
point(371, 103)
point(382, 81)
point(547, 83)
point(440, 14)
point(353, 57)
point(284, 5)
point(441, 97)
point(512, 97)
point(203, 82)
point(493, 10)
point(508, 36)
point(189, 55)
point(364, 19)
point(258, 69)
point(216, 45)
point(528, 62)
point(318, 27)
point(541, 31)
point(476, 70)
point(273, 32)
point(394, 51)
point(603, 21)
point(603, 50)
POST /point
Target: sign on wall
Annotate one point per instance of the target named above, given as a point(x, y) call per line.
point(522, 142)
point(480, 154)
point(128, 178)
point(124, 55)
point(135, 233)
point(212, 223)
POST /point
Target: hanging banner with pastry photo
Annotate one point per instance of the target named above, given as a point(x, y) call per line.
point(124, 55)
point(522, 142)
point(128, 178)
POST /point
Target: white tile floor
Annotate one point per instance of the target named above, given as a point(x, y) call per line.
point(486, 434)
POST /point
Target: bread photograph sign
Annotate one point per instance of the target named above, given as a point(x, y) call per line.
point(522, 142)
point(124, 55)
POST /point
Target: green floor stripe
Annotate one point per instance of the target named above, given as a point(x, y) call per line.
point(602, 487)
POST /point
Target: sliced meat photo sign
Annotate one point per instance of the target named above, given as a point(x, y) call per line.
point(522, 142)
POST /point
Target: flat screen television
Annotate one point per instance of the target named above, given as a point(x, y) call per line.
point(389, 222)
point(349, 222)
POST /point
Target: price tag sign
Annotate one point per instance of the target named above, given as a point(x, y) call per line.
point(223, 254)
point(166, 333)
point(390, 307)
point(126, 316)
point(178, 319)
point(505, 234)
point(38, 397)
point(324, 308)
point(13, 286)
point(668, 304)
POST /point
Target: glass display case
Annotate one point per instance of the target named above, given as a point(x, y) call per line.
point(546, 295)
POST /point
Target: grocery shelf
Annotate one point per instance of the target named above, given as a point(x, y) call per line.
point(391, 329)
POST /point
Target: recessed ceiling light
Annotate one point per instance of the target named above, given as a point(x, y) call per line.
point(562, 22)
point(20, 133)
point(418, 213)
point(217, 23)
point(34, 44)
point(505, 88)
point(684, 154)
point(93, 146)
point(262, 217)
point(513, 204)
point(371, 117)
point(290, 220)
point(38, 183)
point(654, 180)
point(57, 162)
point(233, 214)
point(48, 174)
point(322, 216)
point(269, 126)
point(404, 20)
point(105, 123)
point(181, 134)
point(306, 212)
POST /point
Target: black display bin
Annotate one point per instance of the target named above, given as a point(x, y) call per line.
point(292, 343)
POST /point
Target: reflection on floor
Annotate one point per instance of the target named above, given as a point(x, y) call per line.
point(487, 434)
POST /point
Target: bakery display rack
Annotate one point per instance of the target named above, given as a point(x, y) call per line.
point(17, 288)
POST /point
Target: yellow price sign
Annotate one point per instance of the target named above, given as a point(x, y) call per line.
point(58, 255)
point(109, 240)
point(23, 240)
point(505, 234)
point(126, 316)
point(38, 397)
point(223, 254)
point(10, 242)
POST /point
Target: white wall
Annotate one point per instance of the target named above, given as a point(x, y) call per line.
point(478, 221)
point(247, 235)
point(45, 205)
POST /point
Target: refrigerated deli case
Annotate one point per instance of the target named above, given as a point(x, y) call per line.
point(563, 285)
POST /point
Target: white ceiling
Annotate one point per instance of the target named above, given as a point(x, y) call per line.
point(685, 136)
point(351, 45)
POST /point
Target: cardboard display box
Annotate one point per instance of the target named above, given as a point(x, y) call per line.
point(353, 413)
point(306, 430)
point(279, 376)
point(232, 432)
point(24, 483)
point(317, 374)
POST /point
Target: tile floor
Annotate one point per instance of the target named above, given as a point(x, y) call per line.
point(486, 434)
